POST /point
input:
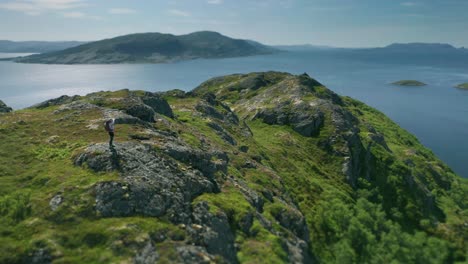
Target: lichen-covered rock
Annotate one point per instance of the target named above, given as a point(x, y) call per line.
point(215, 233)
point(151, 184)
point(303, 119)
point(148, 255)
point(38, 256)
point(142, 111)
point(189, 254)
point(222, 133)
point(207, 162)
point(55, 202)
point(64, 99)
point(158, 104)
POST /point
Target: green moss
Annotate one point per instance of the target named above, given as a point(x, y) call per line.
point(230, 201)
point(264, 248)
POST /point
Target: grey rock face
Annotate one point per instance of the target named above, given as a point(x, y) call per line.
point(299, 252)
point(293, 220)
point(64, 99)
point(55, 202)
point(222, 133)
point(215, 233)
point(141, 111)
point(252, 82)
point(75, 106)
point(148, 255)
point(146, 106)
point(194, 255)
point(151, 185)
point(208, 162)
point(250, 195)
point(303, 118)
point(39, 256)
point(4, 108)
point(158, 104)
point(208, 107)
point(209, 110)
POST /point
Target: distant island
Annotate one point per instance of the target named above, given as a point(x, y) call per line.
point(409, 83)
point(462, 86)
point(8, 46)
point(152, 48)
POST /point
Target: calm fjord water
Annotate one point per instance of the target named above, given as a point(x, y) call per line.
point(437, 114)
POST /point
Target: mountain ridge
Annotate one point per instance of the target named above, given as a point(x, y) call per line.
point(152, 48)
point(248, 168)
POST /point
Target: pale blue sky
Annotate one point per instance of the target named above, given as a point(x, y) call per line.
point(344, 23)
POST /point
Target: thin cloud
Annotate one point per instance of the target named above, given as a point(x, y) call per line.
point(36, 7)
point(215, 2)
point(121, 11)
point(177, 12)
point(74, 14)
point(80, 15)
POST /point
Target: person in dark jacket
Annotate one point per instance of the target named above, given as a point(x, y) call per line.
point(110, 126)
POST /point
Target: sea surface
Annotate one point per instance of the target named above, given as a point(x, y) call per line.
point(437, 114)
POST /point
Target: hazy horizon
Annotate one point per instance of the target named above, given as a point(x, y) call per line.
point(337, 23)
point(281, 44)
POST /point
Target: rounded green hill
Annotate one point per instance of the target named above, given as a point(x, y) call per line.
point(409, 83)
point(462, 86)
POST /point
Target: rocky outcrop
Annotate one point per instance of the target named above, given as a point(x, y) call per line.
point(4, 108)
point(158, 104)
point(213, 232)
point(303, 118)
point(64, 99)
point(151, 184)
point(208, 162)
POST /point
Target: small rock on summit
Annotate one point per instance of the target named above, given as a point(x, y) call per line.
point(4, 108)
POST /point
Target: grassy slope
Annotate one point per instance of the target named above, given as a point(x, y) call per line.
point(346, 225)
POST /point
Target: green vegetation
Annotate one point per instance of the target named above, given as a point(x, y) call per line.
point(409, 83)
point(152, 48)
point(462, 86)
point(397, 204)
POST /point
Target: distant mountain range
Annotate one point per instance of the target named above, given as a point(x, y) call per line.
point(36, 46)
point(421, 48)
point(424, 54)
point(152, 48)
point(395, 47)
point(161, 48)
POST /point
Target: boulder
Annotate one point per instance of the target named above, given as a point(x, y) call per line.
point(55, 202)
point(148, 255)
point(141, 111)
point(158, 104)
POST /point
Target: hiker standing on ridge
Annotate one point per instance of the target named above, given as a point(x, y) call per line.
point(109, 125)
